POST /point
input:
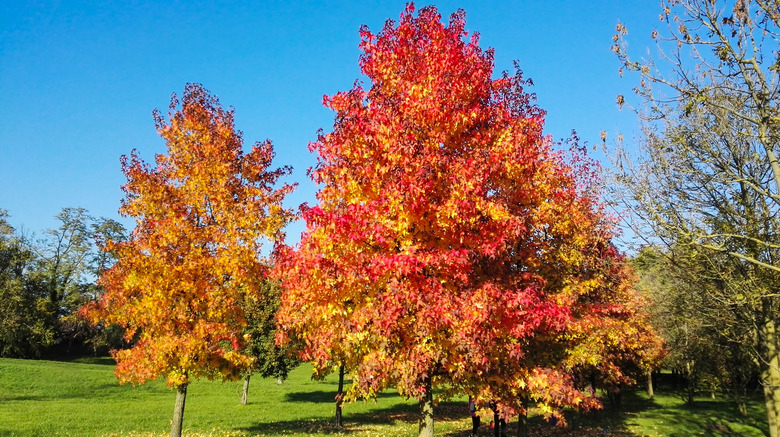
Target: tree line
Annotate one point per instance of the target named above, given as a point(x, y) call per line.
point(46, 279)
point(704, 188)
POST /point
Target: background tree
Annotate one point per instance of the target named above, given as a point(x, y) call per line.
point(45, 282)
point(710, 177)
point(61, 273)
point(617, 345)
point(271, 360)
point(608, 343)
point(202, 214)
point(709, 340)
point(64, 257)
point(103, 231)
point(24, 331)
point(451, 247)
point(80, 268)
point(98, 338)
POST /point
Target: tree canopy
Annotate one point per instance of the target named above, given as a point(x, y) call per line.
point(452, 245)
point(180, 280)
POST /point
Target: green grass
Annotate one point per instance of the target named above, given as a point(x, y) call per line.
point(49, 398)
point(668, 415)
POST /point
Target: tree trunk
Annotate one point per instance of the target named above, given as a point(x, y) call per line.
point(689, 371)
point(522, 419)
point(178, 411)
point(770, 373)
point(496, 423)
point(245, 390)
point(650, 384)
point(340, 398)
point(426, 411)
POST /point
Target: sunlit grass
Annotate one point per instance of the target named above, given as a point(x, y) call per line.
point(48, 398)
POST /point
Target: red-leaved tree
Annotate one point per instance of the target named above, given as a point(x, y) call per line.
point(451, 247)
point(202, 214)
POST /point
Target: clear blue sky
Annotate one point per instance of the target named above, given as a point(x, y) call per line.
point(79, 80)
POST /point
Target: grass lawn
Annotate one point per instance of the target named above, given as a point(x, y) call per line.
point(668, 415)
point(49, 398)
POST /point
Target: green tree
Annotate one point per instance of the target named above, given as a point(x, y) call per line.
point(708, 339)
point(271, 360)
point(63, 258)
point(45, 282)
point(24, 328)
point(98, 338)
point(709, 176)
point(61, 273)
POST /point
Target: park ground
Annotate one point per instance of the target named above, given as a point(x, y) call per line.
point(83, 398)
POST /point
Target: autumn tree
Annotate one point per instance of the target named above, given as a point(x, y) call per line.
point(616, 345)
point(202, 213)
point(451, 246)
point(709, 176)
point(607, 342)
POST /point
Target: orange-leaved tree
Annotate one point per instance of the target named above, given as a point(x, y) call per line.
point(452, 246)
point(202, 214)
point(615, 341)
point(608, 341)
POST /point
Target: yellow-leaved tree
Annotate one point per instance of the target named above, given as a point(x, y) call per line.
point(202, 213)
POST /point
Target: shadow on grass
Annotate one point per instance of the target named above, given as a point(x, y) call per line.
point(668, 415)
point(324, 396)
point(93, 391)
point(82, 359)
point(637, 416)
point(352, 423)
point(103, 361)
point(711, 418)
point(400, 413)
point(21, 399)
point(640, 416)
